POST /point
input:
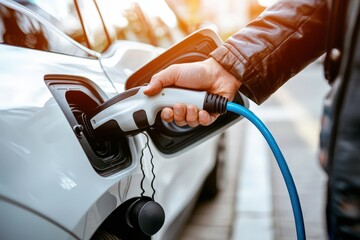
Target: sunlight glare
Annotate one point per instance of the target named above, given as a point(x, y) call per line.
point(266, 3)
point(154, 8)
point(158, 8)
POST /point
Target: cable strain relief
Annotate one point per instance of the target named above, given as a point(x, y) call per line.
point(215, 104)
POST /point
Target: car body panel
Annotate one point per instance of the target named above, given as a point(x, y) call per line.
point(40, 227)
point(123, 58)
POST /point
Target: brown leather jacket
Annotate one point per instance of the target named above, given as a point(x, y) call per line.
point(274, 47)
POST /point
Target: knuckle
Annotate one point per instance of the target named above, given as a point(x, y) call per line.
point(179, 112)
point(179, 117)
point(192, 119)
point(204, 118)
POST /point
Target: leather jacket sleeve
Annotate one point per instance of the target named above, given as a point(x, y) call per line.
point(282, 41)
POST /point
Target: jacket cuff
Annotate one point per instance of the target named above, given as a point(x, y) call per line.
point(235, 64)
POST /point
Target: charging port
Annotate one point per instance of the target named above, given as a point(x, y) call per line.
point(77, 97)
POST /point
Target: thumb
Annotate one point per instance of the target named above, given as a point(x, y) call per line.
point(153, 87)
point(164, 78)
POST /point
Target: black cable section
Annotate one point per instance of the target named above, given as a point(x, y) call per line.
point(152, 166)
point(142, 170)
point(152, 171)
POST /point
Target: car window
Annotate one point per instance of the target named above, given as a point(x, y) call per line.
point(140, 20)
point(19, 29)
point(164, 22)
point(93, 25)
point(62, 14)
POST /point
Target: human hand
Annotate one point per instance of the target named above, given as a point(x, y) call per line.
point(207, 75)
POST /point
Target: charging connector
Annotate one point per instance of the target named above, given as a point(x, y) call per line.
point(215, 104)
point(132, 112)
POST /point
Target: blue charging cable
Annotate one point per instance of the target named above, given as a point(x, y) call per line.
point(295, 202)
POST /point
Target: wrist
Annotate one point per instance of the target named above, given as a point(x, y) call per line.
point(221, 78)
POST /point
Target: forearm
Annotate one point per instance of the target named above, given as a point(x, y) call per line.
point(276, 46)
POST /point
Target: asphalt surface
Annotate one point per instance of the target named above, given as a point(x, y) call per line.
point(254, 203)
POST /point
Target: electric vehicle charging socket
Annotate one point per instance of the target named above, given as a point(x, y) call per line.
point(132, 111)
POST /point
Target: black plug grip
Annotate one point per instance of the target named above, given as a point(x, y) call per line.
point(215, 104)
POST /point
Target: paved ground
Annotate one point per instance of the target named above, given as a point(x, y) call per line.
point(298, 133)
point(255, 202)
point(213, 220)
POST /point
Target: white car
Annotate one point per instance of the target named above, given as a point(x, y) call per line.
point(57, 180)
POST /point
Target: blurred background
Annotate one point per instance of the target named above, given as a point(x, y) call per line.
point(226, 16)
point(168, 21)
